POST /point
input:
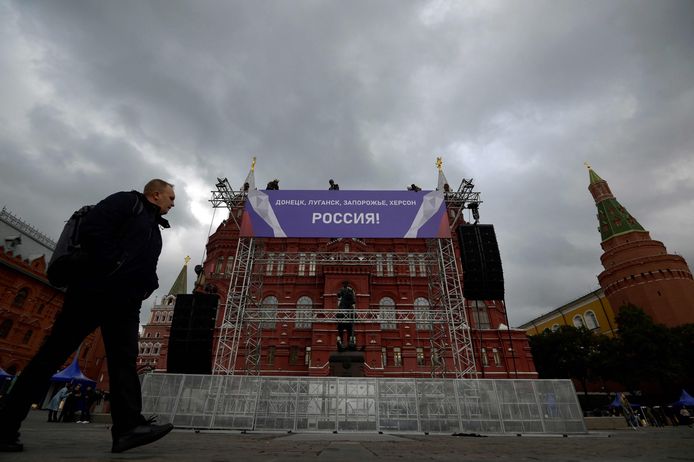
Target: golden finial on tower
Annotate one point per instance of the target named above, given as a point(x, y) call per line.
point(187, 259)
point(253, 165)
point(587, 165)
point(439, 163)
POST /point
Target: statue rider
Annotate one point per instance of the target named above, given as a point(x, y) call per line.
point(345, 316)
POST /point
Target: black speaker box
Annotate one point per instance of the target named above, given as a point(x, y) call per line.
point(483, 276)
point(190, 339)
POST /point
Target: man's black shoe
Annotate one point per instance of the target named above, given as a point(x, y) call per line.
point(139, 436)
point(11, 444)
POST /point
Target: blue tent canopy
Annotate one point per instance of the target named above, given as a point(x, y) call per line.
point(685, 400)
point(616, 402)
point(72, 373)
point(4, 375)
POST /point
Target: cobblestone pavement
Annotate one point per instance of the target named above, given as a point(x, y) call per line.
point(45, 441)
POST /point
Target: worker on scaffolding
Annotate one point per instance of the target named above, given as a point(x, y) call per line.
point(346, 303)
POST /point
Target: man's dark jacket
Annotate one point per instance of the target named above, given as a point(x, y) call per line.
point(122, 240)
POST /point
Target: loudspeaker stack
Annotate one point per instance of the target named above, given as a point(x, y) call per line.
point(190, 340)
point(483, 276)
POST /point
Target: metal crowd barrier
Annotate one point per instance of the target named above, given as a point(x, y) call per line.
point(327, 404)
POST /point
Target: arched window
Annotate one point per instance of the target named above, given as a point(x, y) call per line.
point(27, 337)
point(5, 328)
point(269, 312)
point(578, 321)
point(304, 308)
point(591, 320)
point(157, 347)
point(422, 314)
point(387, 313)
point(170, 316)
point(230, 264)
point(20, 298)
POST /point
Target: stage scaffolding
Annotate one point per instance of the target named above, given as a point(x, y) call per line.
point(244, 312)
point(454, 401)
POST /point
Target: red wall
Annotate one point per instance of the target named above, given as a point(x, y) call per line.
point(512, 349)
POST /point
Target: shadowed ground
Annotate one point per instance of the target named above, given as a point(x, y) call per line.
point(45, 441)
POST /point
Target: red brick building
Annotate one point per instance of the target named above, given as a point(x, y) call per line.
point(304, 276)
point(29, 304)
point(638, 269)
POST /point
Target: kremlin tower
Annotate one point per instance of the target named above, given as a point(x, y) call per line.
point(638, 269)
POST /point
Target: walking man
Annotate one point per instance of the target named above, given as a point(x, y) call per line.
point(121, 240)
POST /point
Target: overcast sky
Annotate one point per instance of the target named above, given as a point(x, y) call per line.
point(98, 97)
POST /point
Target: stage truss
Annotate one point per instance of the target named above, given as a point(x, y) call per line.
point(243, 312)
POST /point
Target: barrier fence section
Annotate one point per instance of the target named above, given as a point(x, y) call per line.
point(326, 404)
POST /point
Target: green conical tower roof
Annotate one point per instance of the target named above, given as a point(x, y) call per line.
point(594, 178)
point(180, 285)
point(613, 218)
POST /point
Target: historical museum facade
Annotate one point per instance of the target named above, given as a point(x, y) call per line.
point(294, 288)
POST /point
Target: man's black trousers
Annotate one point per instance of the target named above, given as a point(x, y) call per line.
point(83, 311)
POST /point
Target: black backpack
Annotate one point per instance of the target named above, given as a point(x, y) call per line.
point(68, 258)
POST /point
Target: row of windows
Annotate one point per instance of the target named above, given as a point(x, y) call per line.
point(496, 356)
point(149, 348)
point(396, 356)
point(307, 265)
point(163, 316)
point(304, 312)
point(587, 320)
point(21, 298)
point(6, 328)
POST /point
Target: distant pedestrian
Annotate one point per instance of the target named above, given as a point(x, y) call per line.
point(71, 402)
point(56, 404)
point(120, 242)
point(88, 399)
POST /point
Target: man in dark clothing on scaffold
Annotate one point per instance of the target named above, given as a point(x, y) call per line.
point(345, 316)
point(121, 240)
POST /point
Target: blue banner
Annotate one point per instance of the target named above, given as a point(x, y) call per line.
point(332, 214)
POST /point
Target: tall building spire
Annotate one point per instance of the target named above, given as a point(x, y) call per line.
point(442, 184)
point(180, 285)
point(613, 219)
point(249, 184)
point(638, 269)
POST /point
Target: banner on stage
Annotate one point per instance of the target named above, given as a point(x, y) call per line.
point(333, 214)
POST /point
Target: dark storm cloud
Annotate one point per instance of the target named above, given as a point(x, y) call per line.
point(101, 96)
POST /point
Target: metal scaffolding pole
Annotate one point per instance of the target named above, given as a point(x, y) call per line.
point(446, 293)
point(234, 320)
